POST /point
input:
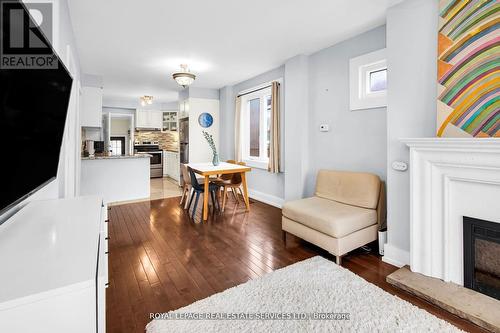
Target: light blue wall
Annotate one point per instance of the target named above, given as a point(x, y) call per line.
point(315, 90)
point(357, 139)
point(411, 57)
point(258, 180)
point(296, 127)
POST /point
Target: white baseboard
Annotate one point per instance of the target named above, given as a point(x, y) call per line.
point(395, 256)
point(266, 198)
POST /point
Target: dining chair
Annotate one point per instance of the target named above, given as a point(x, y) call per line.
point(224, 178)
point(199, 189)
point(233, 183)
point(187, 188)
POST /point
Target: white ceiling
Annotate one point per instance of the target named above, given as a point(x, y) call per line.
point(136, 45)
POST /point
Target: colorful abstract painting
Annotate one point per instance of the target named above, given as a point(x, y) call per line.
point(469, 68)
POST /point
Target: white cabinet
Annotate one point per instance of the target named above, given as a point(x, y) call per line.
point(91, 110)
point(171, 165)
point(54, 256)
point(156, 119)
point(169, 121)
point(141, 118)
point(148, 119)
point(165, 160)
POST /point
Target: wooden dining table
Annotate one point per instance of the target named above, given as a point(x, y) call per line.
point(208, 169)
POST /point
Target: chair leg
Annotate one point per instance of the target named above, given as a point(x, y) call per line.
point(188, 195)
point(195, 204)
point(183, 194)
point(241, 192)
point(212, 196)
point(216, 196)
point(190, 200)
point(224, 197)
point(338, 260)
point(235, 194)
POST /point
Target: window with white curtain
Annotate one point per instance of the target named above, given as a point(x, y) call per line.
point(255, 129)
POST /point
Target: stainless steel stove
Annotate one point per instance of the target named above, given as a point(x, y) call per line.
point(156, 160)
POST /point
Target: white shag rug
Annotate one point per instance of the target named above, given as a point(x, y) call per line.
point(314, 285)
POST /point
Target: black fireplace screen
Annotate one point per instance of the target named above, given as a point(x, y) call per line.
point(482, 256)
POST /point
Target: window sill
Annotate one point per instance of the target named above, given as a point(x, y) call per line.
point(257, 164)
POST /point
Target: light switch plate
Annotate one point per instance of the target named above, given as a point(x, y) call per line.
point(324, 128)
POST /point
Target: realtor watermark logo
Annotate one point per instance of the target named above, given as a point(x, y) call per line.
point(26, 38)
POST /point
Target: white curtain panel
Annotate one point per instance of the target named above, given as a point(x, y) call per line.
point(275, 149)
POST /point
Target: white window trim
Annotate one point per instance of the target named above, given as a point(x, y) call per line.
point(260, 163)
point(359, 77)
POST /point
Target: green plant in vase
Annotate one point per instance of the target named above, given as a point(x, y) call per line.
point(210, 140)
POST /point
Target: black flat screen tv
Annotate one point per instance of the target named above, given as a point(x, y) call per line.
point(33, 108)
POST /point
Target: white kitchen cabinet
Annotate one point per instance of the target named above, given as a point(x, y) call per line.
point(171, 165)
point(91, 110)
point(156, 119)
point(169, 121)
point(141, 118)
point(165, 169)
point(148, 119)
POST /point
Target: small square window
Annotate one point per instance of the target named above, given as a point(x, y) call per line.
point(368, 81)
point(378, 80)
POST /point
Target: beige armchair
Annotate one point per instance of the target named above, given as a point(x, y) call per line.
point(346, 211)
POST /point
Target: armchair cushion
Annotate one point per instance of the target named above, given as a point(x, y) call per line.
point(329, 217)
point(352, 188)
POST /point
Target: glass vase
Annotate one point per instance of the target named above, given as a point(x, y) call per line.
point(215, 159)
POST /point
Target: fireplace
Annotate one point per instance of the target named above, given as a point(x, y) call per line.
point(482, 256)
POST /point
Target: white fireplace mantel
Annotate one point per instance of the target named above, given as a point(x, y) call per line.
point(449, 178)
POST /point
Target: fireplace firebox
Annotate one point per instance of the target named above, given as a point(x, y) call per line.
point(482, 256)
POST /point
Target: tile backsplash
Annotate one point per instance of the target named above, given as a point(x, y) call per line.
point(166, 140)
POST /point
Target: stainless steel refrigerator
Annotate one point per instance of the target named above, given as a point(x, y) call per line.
point(184, 140)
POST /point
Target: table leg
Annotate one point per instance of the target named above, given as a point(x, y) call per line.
point(245, 190)
point(205, 199)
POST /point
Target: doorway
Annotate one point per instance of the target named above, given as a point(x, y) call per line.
point(119, 133)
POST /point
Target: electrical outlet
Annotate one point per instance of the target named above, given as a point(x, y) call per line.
point(324, 128)
point(399, 166)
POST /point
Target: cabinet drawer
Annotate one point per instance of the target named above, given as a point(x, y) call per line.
point(104, 226)
point(102, 284)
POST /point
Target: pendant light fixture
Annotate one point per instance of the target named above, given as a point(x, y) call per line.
point(184, 77)
point(146, 100)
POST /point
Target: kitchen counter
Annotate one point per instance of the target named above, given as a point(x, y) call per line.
point(171, 150)
point(116, 178)
point(116, 157)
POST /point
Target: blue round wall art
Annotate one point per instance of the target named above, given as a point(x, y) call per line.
point(205, 120)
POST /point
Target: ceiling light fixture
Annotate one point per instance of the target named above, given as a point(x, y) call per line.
point(146, 100)
point(184, 77)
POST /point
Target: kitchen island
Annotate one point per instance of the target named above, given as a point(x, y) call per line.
point(116, 178)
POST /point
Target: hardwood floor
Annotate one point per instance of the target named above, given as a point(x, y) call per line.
point(161, 260)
